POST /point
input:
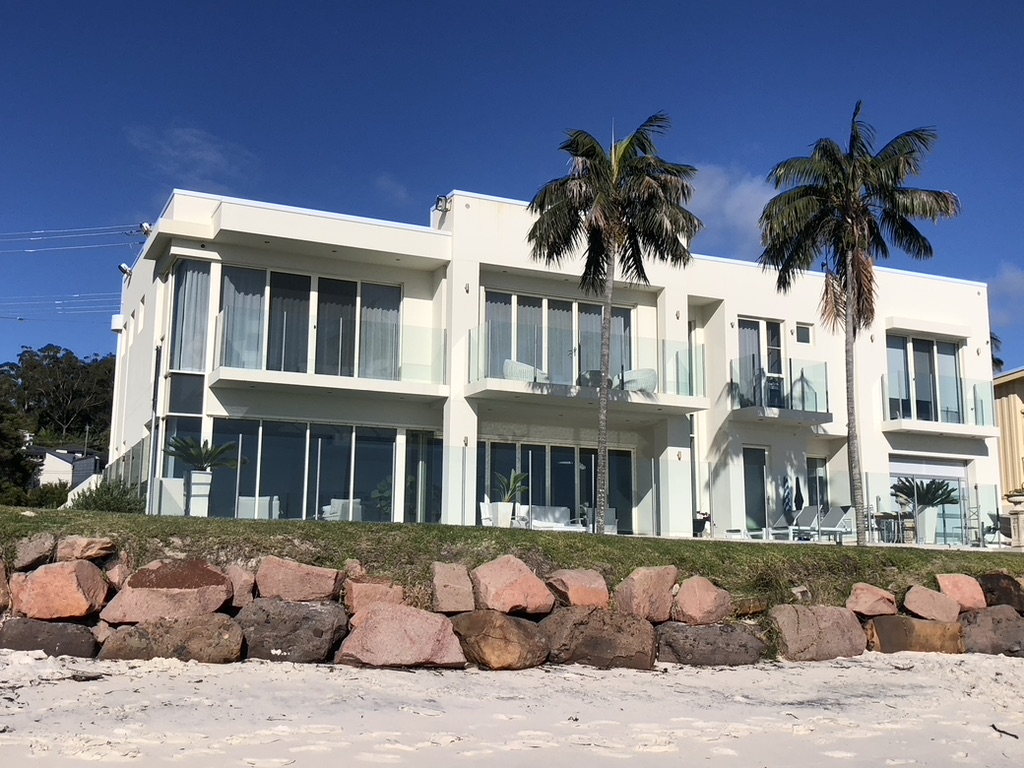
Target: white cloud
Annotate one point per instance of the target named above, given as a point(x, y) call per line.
point(1004, 292)
point(729, 202)
point(193, 158)
point(392, 190)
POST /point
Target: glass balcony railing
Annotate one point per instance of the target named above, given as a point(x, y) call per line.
point(799, 386)
point(382, 351)
point(942, 399)
point(656, 366)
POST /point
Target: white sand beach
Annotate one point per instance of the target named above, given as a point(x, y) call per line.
point(901, 709)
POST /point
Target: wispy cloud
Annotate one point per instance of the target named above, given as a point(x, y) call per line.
point(1004, 292)
point(392, 190)
point(193, 158)
point(729, 202)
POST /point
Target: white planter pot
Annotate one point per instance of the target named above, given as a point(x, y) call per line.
point(199, 502)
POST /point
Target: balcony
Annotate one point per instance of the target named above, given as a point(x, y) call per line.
point(798, 395)
point(648, 375)
point(945, 406)
point(385, 358)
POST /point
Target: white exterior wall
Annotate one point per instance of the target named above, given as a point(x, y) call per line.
point(480, 243)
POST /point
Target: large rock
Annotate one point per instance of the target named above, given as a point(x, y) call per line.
point(84, 548)
point(698, 601)
point(452, 588)
point(51, 637)
point(288, 580)
point(210, 639)
point(582, 587)
point(33, 551)
point(996, 630)
point(817, 632)
point(284, 631)
point(647, 593)
point(598, 638)
point(386, 635)
point(71, 590)
point(964, 589)
point(869, 600)
point(929, 604)
point(361, 594)
point(5, 591)
point(118, 574)
point(508, 585)
point(1001, 589)
point(892, 634)
point(243, 584)
point(495, 640)
point(169, 590)
point(728, 645)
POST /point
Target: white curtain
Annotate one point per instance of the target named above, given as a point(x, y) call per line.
point(379, 332)
point(288, 337)
point(242, 322)
point(750, 373)
point(560, 346)
point(622, 340)
point(498, 319)
point(191, 310)
point(336, 327)
point(590, 339)
point(530, 332)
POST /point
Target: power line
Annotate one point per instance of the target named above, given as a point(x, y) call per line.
point(69, 247)
point(76, 235)
point(32, 232)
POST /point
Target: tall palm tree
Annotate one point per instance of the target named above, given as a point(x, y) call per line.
point(617, 208)
point(843, 206)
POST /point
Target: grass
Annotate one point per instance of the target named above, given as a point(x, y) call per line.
point(404, 552)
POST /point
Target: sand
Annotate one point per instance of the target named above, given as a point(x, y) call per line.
point(901, 709)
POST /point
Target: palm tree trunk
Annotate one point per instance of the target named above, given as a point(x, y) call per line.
point(853, 438)
point(603, 394)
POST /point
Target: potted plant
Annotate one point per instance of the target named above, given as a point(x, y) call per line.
point(201, 458)
point(1015, 496)
point(508, 489)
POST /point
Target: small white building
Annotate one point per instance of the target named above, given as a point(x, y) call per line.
point(336, 354)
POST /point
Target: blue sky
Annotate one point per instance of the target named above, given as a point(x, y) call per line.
point(376, 108)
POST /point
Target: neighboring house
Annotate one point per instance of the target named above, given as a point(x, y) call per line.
point(1009, 390)
point(338, 353)
point(68, 465)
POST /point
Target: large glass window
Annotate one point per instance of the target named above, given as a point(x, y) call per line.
point(530, 331)
point(330, 475)
point(423, 465)
point(242, 317)
point(533, 461)
point(590, 344)
point(498, 320)
point(924, 380)
point(374, 472)
point(899, 377)
point(282, 465)
point(336, 327)
point(561, 349)
point(379, 331)
point(288, 336)
point(191, 310)
point(233, 491)
point(183, 427)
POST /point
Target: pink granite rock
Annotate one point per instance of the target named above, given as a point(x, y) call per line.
point(169, 590)
point(33, 551)
point(289, 580)
point(817, 632)
point(508, 585)
point(102, 631)
point(243, 583)
point(929, 604)
point(84, 548)
point(869, 600)
point(701, 602)
point(5, 591)
point(647, 593)
point(69, 590)
point(453, 589)
point(386, 635)
point(964, 589)
point(581, 587)
point(361, 594)
point(118, 574)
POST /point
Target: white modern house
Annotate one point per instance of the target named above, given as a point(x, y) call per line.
point(376, 371)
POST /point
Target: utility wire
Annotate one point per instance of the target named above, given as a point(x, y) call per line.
point(69, 247)
point(33, 232)
point(75, 235)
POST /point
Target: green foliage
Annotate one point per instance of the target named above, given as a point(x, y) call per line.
point(511, 488)
point(111, 496)
point(48, 495)
point(17, 469)
point(924, 495)
point(201, 456)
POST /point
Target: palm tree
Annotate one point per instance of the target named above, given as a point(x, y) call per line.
point(997, 347)
point(843, 206)
point(618, 208)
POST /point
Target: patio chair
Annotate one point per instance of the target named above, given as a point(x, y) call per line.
point(342, 509)
point(801, 529)
point(833, 523)
point(513, 370)
point(999, 530)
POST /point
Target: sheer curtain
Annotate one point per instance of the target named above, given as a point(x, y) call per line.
point(336, 327)
point(750, 363)
point(590, 340)
point(622, 341)
point(191, 310)
point(242, 305)
point(560, 346)
point(379, 331)
point(288, 338)
point(530, 332)
point(498, 319)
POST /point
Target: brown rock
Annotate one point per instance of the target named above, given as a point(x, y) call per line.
point(353, 569)
point(869, 600)
point(750, 606)
point(495, 640)
point(1001, 589)
point(5, 591)
point(70, 590)
point(583, 587)
point(288, 580)
point(701, 602)
point(647, 593)
point(102, 631)
point(929, 604)
point(84, 548)
point(964, 589)
point(51, 637)
point(817, 632)
point(210, 639)
point(598, 638)
point(174, 589)
point(33, 551)
point(386, 635)
point(118, 574)
point(306, 633)
point(452, 588)
point(243, 583)
point(892, 634)
point(360, 594)
point(729, 645)
point(508, 585)
point(995, 630)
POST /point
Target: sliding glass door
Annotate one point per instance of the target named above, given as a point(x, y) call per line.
point(336, 327)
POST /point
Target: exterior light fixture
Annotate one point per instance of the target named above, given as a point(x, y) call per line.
point(443, 204)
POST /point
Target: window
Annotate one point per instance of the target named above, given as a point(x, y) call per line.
point(335, 327)
point(186, 393)
point(817, 483)
point(379, 331)
point(758, 371)
point(191, 310)
point(183, 427)
point(241, 305)
point(803, 333)
point(288, 337)
point(924, 380)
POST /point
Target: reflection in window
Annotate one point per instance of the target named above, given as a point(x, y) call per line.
point(239, 480)
point(336, 327)
point(282, 468)
point(329, 477)
point(374, 472)
point(184, 427)
point(423, 459)
point(288, 336)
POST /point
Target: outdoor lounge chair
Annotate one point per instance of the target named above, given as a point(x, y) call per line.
point(800, 529)
point(999, 530)
point(832, 525)
point(513, 370)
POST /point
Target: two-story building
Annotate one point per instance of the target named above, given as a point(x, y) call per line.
point(376, 371)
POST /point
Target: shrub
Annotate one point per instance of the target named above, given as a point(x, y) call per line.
point(111, 496)
point(48, 495)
